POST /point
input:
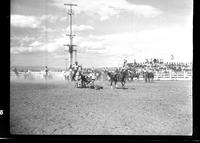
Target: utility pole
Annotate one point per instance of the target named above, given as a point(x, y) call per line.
point(75, 52)
point(71, 36)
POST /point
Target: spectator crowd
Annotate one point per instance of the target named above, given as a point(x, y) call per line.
point(160, 66)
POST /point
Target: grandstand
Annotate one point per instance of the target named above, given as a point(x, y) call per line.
point(162, 70)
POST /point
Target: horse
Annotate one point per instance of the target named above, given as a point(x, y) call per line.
point(46, 75)
point(115, 77)
point(28, 75)
point(148, 76)
point(84, 80)
point(16, 72)
point(67, 75)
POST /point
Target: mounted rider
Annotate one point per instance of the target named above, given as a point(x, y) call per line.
point(16, 71)
point(75, 66)
point(117, 72)
point(78, 72)
point(46, 70)
point(125, 65)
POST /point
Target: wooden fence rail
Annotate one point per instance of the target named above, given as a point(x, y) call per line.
point(173, 76)
point(60, 76)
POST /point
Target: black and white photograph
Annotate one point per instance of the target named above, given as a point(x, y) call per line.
point(101, 67)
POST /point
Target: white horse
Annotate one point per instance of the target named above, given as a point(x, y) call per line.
point(67, 75)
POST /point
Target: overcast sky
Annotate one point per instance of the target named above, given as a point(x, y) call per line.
point(107, 31)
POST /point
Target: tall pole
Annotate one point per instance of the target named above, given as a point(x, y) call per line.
point(75, 52)
point(70, 35)
point(70, 13)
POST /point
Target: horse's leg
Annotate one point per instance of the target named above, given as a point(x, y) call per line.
point(122, 84)
point(74, 81)
point(149, 78)
point(66, 77)
point(81, 82)
point(71, 75)
point(115, 84)
point(111, 84)
point(85, 82)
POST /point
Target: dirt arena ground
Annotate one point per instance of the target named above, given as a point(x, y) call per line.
point(57, 107)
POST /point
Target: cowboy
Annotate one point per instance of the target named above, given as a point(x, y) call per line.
point(75, 69)
point(79, 71)
point(125, 63)
point(46, 70)
point(77, 76)
point(16, 72)
point(75, 66)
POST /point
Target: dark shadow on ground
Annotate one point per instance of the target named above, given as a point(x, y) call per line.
point(97, 87)
point(124, 88)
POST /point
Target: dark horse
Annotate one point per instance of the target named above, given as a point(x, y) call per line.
point(80, 79)
point(83, 80)
point(148, 76)
point(115, 77)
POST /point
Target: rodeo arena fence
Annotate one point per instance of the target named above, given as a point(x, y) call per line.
point(35, 75)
